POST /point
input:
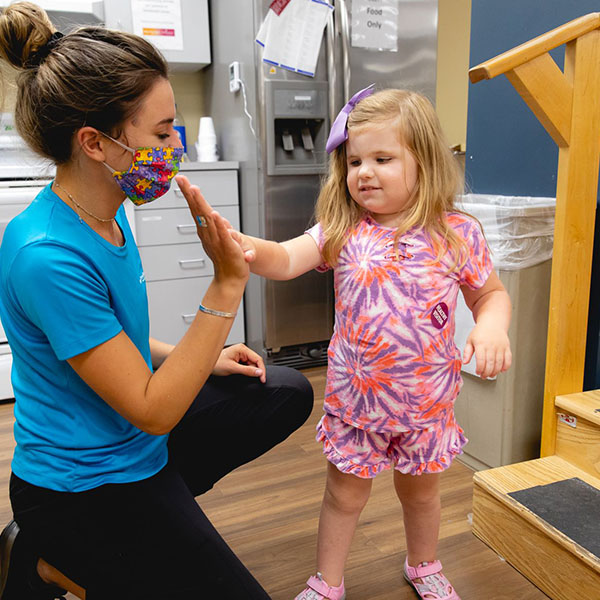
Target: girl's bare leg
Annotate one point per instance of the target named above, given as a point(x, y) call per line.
point(421, 507)
point(345, 497)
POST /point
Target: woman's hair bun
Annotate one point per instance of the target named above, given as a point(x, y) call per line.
point(24, 29)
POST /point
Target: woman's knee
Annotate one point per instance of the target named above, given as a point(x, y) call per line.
point(299, 396)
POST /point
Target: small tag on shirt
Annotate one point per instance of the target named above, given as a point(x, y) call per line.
point(439, 315)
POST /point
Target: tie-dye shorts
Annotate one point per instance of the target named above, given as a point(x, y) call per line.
point(366, 453)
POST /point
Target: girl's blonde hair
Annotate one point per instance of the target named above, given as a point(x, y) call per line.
point(439, 178)
point(93, 76)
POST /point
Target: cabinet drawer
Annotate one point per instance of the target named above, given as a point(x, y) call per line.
point(218, 187)
point(174, 225)
point(175, 261)
point(174, 304)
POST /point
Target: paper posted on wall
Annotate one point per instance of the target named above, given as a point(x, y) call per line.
point(159, 21)
point(292, 32)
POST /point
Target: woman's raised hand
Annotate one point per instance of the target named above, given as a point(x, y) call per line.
point(213, 230)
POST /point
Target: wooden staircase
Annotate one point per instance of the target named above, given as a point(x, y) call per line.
point(567, 103)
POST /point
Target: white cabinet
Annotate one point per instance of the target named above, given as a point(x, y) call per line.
point(195, 31)
point(503, 417)
point(15, 196)
point(177, 270)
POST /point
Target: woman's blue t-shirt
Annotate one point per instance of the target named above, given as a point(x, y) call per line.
point(64, 290)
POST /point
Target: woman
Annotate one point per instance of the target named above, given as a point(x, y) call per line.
point(117, 432)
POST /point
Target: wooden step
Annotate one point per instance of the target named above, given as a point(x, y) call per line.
point(578, 430)
point(583, 404)
point(556, 564)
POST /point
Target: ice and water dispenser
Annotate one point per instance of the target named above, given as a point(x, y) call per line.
point(296, 120)
point(298, 314)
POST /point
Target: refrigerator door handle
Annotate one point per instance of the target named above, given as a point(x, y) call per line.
point(345, 31)
point(331, 71)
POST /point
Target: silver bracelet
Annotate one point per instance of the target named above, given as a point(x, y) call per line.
point(217, 313)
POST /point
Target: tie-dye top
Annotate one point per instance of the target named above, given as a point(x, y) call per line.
point(393, 364)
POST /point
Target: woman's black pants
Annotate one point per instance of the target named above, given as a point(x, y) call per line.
point(149, 539)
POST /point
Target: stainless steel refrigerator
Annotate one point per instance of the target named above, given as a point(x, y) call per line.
point(282, 163)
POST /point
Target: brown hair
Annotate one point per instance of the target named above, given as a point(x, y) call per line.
point(439, 179)
point(93, 76)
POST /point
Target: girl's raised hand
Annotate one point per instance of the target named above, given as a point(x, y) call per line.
point(246, 244)
point(213, 230)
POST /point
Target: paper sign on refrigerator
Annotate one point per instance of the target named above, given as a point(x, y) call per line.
point(292, 39)
point(375, 24)
point(159, 22)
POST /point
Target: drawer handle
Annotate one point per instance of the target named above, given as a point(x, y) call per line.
point(191, 228)
point(188, 318)
point(186, 263)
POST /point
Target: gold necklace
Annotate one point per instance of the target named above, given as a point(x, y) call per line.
point(85, 210)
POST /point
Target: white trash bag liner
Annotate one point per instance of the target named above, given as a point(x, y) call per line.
point(520, 233)
point(519, 229)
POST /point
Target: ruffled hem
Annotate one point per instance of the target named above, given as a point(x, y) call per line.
point(441, 463)
point(345, 465)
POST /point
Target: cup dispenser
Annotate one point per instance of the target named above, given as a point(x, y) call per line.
point(296, 127)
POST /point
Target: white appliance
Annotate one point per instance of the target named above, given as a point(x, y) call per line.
point(22, 176)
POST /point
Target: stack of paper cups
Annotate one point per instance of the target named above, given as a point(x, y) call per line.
point(206, 146)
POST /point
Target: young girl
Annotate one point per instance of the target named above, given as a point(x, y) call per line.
point(401, 251)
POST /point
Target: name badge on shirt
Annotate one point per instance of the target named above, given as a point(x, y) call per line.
point(439, 315)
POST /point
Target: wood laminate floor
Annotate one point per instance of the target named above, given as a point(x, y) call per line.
point(268, 512)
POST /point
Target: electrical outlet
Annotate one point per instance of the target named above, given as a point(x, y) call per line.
point(234, 76)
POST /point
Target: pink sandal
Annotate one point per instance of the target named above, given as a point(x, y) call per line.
point(317, 589)
point(434, 585)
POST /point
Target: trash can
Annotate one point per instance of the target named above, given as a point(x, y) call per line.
point(502, 418)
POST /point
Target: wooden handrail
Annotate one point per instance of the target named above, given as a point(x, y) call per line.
point(535, 47)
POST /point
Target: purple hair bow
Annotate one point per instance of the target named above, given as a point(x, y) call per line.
point(339, 132)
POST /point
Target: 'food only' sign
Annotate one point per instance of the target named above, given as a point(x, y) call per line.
point(375, 24)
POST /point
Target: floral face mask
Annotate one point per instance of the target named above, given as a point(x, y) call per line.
point(149, 176)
